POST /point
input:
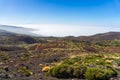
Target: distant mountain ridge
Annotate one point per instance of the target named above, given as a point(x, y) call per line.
point(14, 30)
point(107, 36)
point(101, 36)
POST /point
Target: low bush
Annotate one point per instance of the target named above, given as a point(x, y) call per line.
point(67, 71)
point(99, 74)
point(90, 66)
point(79, 71)
point(59, 71)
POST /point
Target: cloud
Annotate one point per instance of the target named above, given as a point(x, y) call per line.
point(68, 30)
point(17, 29)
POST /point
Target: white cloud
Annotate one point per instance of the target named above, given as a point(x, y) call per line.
point(68, 30)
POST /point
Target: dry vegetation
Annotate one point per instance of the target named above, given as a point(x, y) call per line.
point(33, 61)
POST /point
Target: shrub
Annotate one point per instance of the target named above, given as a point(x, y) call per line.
point(68, 61)
point(79, 71)
point(68, 71)
point(60, 71)
point(118, 62)
point(99, 74)
point(91, 67)
point(46, 68)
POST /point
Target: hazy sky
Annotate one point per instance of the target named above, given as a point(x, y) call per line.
point(62, 17)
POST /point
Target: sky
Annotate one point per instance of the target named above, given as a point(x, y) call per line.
point(62, 17)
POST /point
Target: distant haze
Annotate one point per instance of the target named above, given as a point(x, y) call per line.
point(69, 30)
point(16, 29)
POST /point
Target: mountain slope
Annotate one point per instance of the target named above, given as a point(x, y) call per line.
point(97, 37)
point(14, 38)
point(107, 36)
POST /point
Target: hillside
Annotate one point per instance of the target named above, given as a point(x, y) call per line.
point(107, 36)
point(15, 38)
point(26, 57)
point(97, 37)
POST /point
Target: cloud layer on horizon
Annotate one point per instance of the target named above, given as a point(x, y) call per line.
point(68, 30)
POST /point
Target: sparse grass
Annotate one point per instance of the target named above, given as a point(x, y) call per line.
point(66, 58)
point(25, 71)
